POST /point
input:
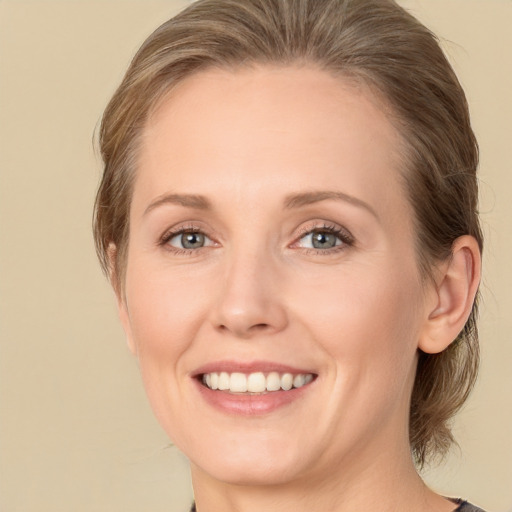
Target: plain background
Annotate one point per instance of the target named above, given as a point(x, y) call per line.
point(76, 432)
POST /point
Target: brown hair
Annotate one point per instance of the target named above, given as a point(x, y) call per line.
point(374, 41)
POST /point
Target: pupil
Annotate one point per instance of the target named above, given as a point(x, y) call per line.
point(323, 240)
point(192, 240)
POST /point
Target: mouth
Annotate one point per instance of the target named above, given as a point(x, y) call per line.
point(255, 383)
point(252, 389)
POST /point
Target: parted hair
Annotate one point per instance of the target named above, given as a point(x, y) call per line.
point(374, 42)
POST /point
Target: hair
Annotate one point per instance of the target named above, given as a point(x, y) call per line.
point(374, 42)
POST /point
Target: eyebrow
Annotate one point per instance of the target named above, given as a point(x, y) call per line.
point(307, 198)
point(188, 200)
point(292, 201)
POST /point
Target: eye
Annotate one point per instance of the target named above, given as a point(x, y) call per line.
point(320, 240)
point(187, 239)
point(325, 238)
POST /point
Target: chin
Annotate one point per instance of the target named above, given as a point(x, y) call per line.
point(240, 462)
point(253, 472)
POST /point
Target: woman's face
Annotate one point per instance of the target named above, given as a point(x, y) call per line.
point(271, 245)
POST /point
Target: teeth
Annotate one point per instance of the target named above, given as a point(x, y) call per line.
point(238, 383)
point(287, 381)
point(299, 381)
point(214, 381)
point(273, 382)
point(255, 382)
point(223, 381)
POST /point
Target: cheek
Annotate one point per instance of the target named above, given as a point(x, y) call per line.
point(165, 310)
point(369, 329)
point(367, 319)
point(165, 313)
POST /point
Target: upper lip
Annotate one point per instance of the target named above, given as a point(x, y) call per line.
point(248, 367)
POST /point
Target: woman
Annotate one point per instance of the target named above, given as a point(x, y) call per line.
point(288, 218)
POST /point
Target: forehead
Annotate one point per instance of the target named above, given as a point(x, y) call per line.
point(299, 126)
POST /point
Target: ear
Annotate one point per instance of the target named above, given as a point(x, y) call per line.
point(453, 296)
point(122, 306)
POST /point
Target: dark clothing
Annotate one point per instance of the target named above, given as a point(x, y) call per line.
point(464, 506)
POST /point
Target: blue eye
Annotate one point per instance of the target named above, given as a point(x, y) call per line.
point(188, 240)
point(320, 240)
point(191, 240)
point(325, 238)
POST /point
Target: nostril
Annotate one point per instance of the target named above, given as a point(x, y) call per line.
point(244, 332)
point(260, 327)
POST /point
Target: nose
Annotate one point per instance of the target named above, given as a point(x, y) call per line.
point(249, 301)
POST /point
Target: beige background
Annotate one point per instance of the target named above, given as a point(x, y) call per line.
point(76, 433)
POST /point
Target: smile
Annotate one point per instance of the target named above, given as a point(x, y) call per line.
point(252, 388)
point(256, 382)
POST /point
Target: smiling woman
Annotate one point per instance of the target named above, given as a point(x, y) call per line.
point(288, 217)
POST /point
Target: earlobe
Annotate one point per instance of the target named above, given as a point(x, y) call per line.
point(453, 297)
point(122, 307)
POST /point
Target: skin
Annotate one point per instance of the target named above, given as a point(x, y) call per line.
point(355, 315)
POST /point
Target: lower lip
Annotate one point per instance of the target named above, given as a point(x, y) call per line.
point(250, 405)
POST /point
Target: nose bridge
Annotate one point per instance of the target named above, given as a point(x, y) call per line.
point(249, 299)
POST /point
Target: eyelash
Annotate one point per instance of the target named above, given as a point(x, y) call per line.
point(169, 235)
point(347, 240)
